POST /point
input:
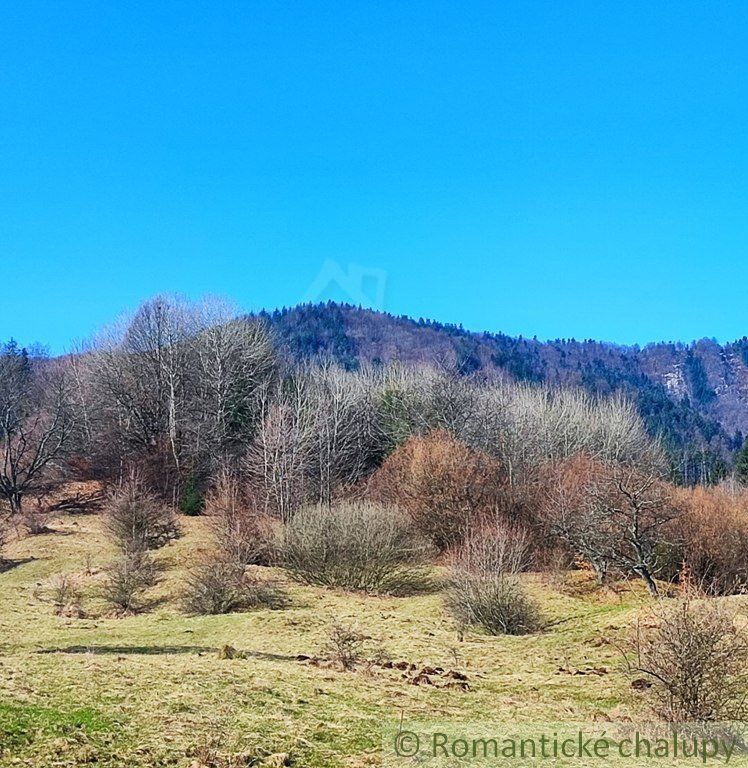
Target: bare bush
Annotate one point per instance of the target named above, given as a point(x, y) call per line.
point(444, 485)
point(354, 545)
point(127, 579)
point(345, 644)
point(222, 585)
point(137, 520)
point(695, 660)
point(36, 518)
point(242, 533)
point(65, 596)
point(483, 587)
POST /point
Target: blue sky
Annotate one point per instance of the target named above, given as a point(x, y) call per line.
point(545, 168)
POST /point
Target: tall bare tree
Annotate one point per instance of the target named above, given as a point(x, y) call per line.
point(36, 422)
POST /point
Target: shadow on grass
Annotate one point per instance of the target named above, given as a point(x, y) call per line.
point(135, 650)
point(9, 565)
point(157, 650)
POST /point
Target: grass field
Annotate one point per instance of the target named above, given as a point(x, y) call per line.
point(152, 690)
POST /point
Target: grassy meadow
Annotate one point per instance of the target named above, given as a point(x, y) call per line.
point(153, 689)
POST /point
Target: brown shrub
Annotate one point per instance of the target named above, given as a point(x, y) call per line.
point(444, 485)
point(36, 518)
point(695, 660)
point(355, 545)
point(127, 579)
point(137, 520)
point(242, 533)
point(345, 644)
point(483, 587)
point(65, 596)
point(713, 533)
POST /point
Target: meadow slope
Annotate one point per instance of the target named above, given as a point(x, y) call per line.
point(152, 690)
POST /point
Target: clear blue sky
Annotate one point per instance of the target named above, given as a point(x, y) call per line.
point(551, 168)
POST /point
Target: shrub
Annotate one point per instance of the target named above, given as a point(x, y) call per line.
point(345, 644)
point(65, 596)
point(354, 545)
point(444, 485)
point(242, 533)
point(483, 588)
point(695, 660)
point(36, 519)
point(127, 579)
point(138, 521)
point(221, 585)
point(713, 532)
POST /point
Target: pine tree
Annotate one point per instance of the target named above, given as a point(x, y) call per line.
point(741, 464)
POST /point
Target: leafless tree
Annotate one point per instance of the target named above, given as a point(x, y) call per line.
point(179, 383)
point(36, 422)
point(278, 460)
point(612, 515)
point(234, 366)
point(346, 437)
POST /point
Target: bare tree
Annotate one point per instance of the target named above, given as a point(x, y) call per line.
point(234, 365)
point(179, 383)
point(36, 422)
point(612, 515)
point(347, 440)
point(279, 458)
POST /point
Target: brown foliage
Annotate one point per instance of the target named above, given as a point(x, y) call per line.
point(483, 587)
point(136, 520)
point(713, 531)
point(444, 485)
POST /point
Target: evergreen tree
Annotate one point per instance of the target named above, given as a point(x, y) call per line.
point(741, 464)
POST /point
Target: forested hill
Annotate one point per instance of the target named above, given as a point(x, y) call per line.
point(694, 395)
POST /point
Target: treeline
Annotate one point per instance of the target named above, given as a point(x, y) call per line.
point(193, 404)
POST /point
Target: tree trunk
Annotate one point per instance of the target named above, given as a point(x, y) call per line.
point(648, 580)
point(16, 505)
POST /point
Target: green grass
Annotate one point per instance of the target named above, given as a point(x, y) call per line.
point(150, 690)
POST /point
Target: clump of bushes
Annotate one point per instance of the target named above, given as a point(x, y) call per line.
point(695, 661)
point(483, 587)
point(354, 545)
point(137, 520)
point(126, 580)
point(222, 585)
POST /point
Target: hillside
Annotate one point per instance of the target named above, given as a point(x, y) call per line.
point(694, 395)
